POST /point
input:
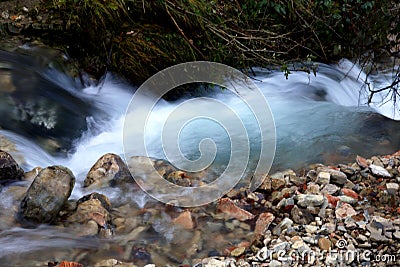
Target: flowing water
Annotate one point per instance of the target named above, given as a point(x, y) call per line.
point(53, 119)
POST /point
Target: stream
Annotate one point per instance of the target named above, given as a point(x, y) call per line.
point(54, 120)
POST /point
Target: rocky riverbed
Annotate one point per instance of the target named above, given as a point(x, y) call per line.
point(342, 215)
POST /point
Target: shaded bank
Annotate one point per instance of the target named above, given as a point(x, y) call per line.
point(139, 38)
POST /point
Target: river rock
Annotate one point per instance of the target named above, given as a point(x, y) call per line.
point(301, 216)
point(379, 171)
point(47, 194)
point(94, 207)
point(228, 207)
point(344, 210)
point(324, 243)
point(323, 178)
point(284, 224)
point(9, 168)
point(107, 170)
point(305, 200)
point(263, 222)
point(337, 177)
point(392, 188)
point(113, 263)
point(362, 162)
point(30, 175)
point(184, 220)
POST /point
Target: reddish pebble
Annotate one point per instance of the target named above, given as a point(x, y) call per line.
point(263, 222)
point(185, 220)
point(228, 207)
point(362, 162)
point(332, 200)
point(350, 193)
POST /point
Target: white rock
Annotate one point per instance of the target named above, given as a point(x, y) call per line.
point(215, 263)
point(392, 188)
point(323, 178)
point(379, 171)
point(275, 263)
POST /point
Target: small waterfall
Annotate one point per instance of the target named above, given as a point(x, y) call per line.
point(318, 119)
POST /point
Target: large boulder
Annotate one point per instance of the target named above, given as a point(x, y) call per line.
point(9, 168)
point(108, 170)
point(47, 194)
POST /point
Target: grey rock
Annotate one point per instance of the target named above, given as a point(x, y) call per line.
point(331, 189)
point(47, 194)
point(392, 188)
point(275, 263)
point(301, 216)
point(309, 200)
point(347, 199)
point(337, 177)
point(284, 224)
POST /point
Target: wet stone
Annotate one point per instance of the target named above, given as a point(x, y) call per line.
point(107, 170)
point(229, 208)
point(263, 222)
point(47, 194)
point(10, 171)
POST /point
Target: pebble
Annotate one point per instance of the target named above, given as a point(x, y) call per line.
point(396, 234)
point(350, 193)
point(311, 229)
point(392, 188)
point(263, 222)
point(345, 210)
point(362, 238)
point(228, 207)
point(329, 227)
point(275, 263)
point(324, 243)
point(284, 224)
point(309, 200)
point(347, 199)
point(379, 171)
point(337, 177)
point(238, 251)
point(301, 216)
point(323, 178)
point(185, 220)
point(331, 189)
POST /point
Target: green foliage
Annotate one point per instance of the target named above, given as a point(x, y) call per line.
point(146, 36)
